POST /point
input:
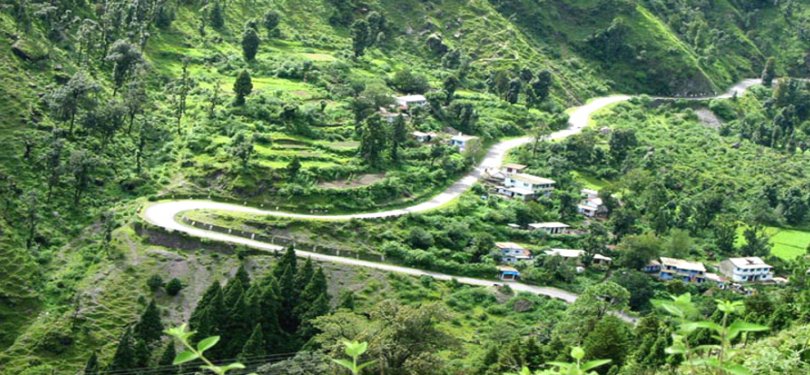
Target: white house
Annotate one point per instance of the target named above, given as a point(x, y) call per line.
point(565, 253)
point(576, 254)
point(512, 252)
point(406, 101)
point(538, 185)
point(512, 168)
point(462, 141)
point(517, 193)
point(424, 137)
point(591, 205)
point(746, 269)
point(551, 227)
point(684, 270)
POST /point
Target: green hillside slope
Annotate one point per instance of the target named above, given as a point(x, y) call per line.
point(86, 140)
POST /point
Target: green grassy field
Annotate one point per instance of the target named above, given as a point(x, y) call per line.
point(788, 243)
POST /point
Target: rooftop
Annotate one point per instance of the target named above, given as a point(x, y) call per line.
point(748, 262)
point(532, 179)
point(507, 269)
point(508, 245)
point(683, 264)
point(715, 277)
point(565, 253)
point(520, 191)
point(602, 257)
point(548, 225)
point(514, 166)
point(411, 98)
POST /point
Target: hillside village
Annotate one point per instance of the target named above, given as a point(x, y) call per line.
point(444, 187)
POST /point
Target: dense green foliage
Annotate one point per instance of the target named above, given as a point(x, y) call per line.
point(275, 103)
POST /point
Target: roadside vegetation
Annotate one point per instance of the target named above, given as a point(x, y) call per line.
point(277, 104)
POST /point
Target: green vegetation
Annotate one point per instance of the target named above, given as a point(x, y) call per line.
point(107, 105)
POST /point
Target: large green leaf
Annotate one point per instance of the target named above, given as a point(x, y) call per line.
point(345, 363)
point(185, 357)
point(739, 326)
point(207, 343)
point(594, 364)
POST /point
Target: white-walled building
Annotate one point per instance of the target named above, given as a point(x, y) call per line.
point(512, 168)
point(462, 142)
point(741, 270)
point(424, 137)
point(538, 185)
point(591, 205)
point(512, 252)
point(407, 101)
point(551, 227)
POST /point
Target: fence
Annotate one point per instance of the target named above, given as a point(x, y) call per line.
point(286, 241)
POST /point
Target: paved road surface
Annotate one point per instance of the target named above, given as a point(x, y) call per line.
point(164, 214)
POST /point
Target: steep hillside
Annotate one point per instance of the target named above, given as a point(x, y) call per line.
point(107, 104)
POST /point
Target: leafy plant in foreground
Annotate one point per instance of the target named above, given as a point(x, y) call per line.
point(570, 368)
point(718, 358)
point(354, 349)
point(192, 353)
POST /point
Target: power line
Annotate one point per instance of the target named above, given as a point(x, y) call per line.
point(248, 360)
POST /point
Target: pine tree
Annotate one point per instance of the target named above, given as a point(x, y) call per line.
point(313, 303)
point(304, 274)
point(124, 357)
point(233, 291)
point(346, 300)
point(243, 276)
point(250, 43)
point(211, 317)
point(398, 137)
point(236, 325)
point(242, 87)
point(142, 353)
point(167, 359)
point(769, 73)
point(287, 259)
point(217, 15)
point(254, 347)
point(269, 308)
point(289, 300)
point(149, 328)
point(360, 37)
point(317, 308)
point(315, 288)
point(91, 367)
point(208, 296)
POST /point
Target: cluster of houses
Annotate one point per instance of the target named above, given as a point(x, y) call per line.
point(404, 103)
point(735, 270)
point(511, 182)
point(512, 253)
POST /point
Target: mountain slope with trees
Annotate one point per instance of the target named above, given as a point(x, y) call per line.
point(108, 103)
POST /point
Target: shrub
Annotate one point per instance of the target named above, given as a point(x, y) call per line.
point(173, 287)
point(154, 282)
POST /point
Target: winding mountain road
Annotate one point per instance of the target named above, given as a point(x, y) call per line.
point(165, 213)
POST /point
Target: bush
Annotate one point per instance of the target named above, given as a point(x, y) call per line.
point(173, 287)
point(411, 83)
point(154, 282)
